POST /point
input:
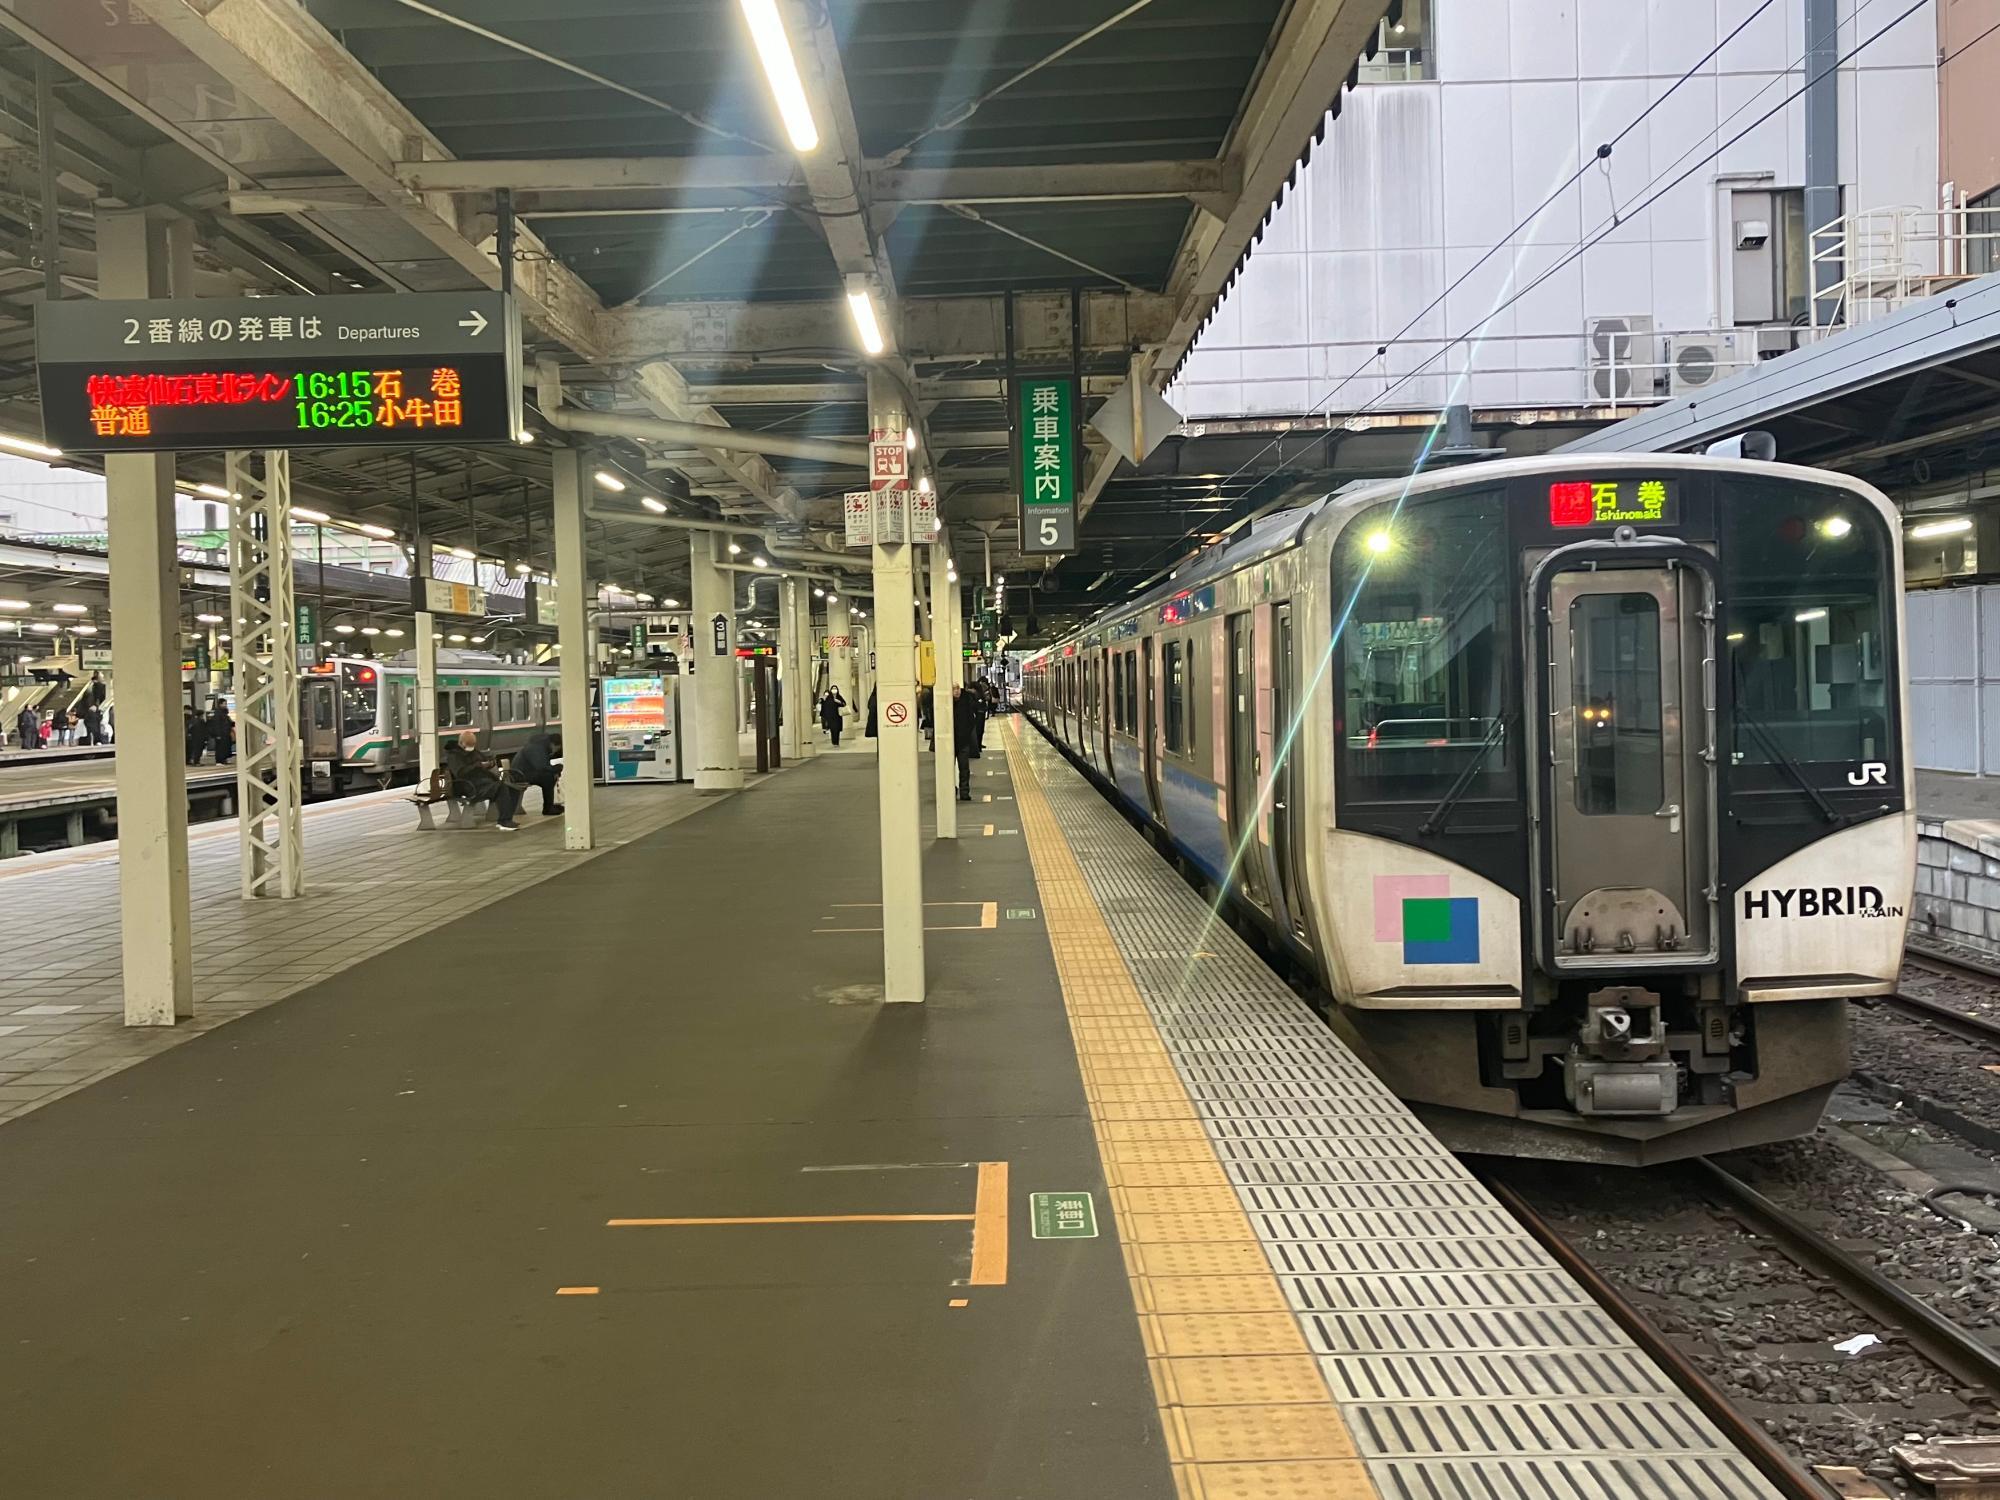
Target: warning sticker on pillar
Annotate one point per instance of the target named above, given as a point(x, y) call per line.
point(858, 507)
point(923, 515)
point(1047, 460)
point(892, 516)
point(889, 463)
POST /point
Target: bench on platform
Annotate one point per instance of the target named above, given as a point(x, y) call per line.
point(461, 812)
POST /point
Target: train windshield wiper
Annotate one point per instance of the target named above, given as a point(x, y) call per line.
point(1766, 737)
point(1440, 814)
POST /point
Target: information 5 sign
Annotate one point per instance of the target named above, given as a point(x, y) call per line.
point(1047, 459)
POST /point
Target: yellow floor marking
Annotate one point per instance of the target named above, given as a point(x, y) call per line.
point(989, 1227)
point(576, 1291)
point(1246, 1411)
point(987, 831)
point(794, 1219)
point(959, 1302)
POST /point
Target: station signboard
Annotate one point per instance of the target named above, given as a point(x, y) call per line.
point(1047, 459)
point(440, 597)
point(162, 376)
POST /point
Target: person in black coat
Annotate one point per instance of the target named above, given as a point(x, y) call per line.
point(869, 728)
point(196, 737)
point(965, 720)
point(534, 764)
point(832, 707)
point(222, 733)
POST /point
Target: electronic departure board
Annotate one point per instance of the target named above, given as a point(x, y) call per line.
point(1614, 502)
point(279, 372)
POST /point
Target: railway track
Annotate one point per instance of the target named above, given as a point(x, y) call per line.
point(1951, 1347)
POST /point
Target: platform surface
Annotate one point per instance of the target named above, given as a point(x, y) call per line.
point(613, 1176)
point(29, 781)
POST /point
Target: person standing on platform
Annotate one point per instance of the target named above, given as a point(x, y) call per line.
point(196, 736)
point(222, 732)
point(93, 721)
point(28, 724)
point(832, 710)
point(927, 717)
point(964, 731)
point(868, 730)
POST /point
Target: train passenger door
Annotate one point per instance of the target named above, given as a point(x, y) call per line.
point(1149, 725)
point(1244, 768)
point(1628, 875)
point(1283, 692)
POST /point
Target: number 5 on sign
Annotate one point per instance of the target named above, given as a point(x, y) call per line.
point(1048, 528)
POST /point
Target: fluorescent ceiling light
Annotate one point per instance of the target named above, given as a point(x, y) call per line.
point(758, 562)
point(909, 440)
point(217, 491)
point(43, 628)
point(643, 598)
point(781, 72)
point(369, 528)
point(1928, 529)
point(301, 513)
point(71, 609)
point(371, 630)
point(209, 619)
point(670, 604)
point(524, 436)
point(23, 445)
point(457, 638)
point(861, 307)
point(15, 604)
point(734, 549)
point(343, 630)
point(465, 553)
point(523, 569)
point(83, 630)
point(609, 480)
point(1805, 616)
point(393, 633)
point(657, 507)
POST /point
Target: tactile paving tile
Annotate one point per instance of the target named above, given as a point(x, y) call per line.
point(1469, 1366)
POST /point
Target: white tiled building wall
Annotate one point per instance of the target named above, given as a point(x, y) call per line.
point(1416, 181)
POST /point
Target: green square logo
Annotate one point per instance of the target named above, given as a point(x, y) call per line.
point(1426, 919)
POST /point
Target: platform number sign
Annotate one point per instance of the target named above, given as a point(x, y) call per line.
point(1048, 466)
point(719, 627)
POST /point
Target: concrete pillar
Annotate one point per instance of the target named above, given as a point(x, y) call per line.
point(134, 254)
point(839, 658)
point(946, 769)
point(896, 735)
point(573, 600)
point(711, 596)
point(794, 739)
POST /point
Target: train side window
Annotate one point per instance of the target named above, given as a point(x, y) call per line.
point(1173, 669)
point(461, 707)
point(1132, 691)
point(443, 709)
point(555, 704)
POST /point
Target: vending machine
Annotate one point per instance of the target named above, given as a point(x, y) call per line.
point(641, 729)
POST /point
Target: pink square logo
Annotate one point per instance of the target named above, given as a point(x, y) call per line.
point(1390, 893)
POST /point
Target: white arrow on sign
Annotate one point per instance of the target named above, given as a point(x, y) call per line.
point(476, 321)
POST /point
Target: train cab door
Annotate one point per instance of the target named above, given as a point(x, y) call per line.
point(1149, 725)
point(1628, 859)
point(319, 723)
point(1244, 768)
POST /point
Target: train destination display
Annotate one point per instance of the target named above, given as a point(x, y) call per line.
point(279, 372)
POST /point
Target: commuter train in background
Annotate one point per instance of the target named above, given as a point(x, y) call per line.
point(358, 716)
point(1583, 787)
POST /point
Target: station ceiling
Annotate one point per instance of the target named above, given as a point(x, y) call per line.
point(674, 257)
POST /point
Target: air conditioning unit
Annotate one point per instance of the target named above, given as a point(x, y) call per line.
point(1622, 357)
point(1696, 361)
point(1772, 342)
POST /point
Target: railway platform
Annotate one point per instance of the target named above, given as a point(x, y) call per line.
point(515, 1173)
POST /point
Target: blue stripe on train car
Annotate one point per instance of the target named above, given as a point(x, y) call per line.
point(1194, 820)
point(1129, 775)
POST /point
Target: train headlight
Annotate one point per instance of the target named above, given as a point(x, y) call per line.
point(1378, 541)
point(1835, 527)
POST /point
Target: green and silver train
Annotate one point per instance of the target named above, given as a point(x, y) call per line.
point(358, 716)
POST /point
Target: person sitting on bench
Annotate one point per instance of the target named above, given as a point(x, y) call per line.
point(534, 764)
point(471, 773)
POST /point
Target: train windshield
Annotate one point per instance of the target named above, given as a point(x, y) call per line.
point(1423, 652)
point(357, 698)
point(1805, 649)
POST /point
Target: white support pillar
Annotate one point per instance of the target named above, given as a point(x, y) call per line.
point(794, 738)
point(946, 757)
point(573, 598)
point(134, 251)
point(718, 762)
point(427, 682)
point(269, 831)
point(839, 658)
point(896, 735)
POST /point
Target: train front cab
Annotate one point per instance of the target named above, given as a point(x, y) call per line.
point(1619, 768)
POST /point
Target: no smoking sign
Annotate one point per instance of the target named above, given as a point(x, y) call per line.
point(897, 713)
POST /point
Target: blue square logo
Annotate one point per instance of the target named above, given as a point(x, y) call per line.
point(1446, 933)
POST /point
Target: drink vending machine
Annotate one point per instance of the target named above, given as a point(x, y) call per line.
point(641, 729)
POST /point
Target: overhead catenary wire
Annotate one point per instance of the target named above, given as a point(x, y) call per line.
point(1571, 254)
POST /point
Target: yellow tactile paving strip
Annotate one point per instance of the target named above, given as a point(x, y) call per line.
point(1246, 1412)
